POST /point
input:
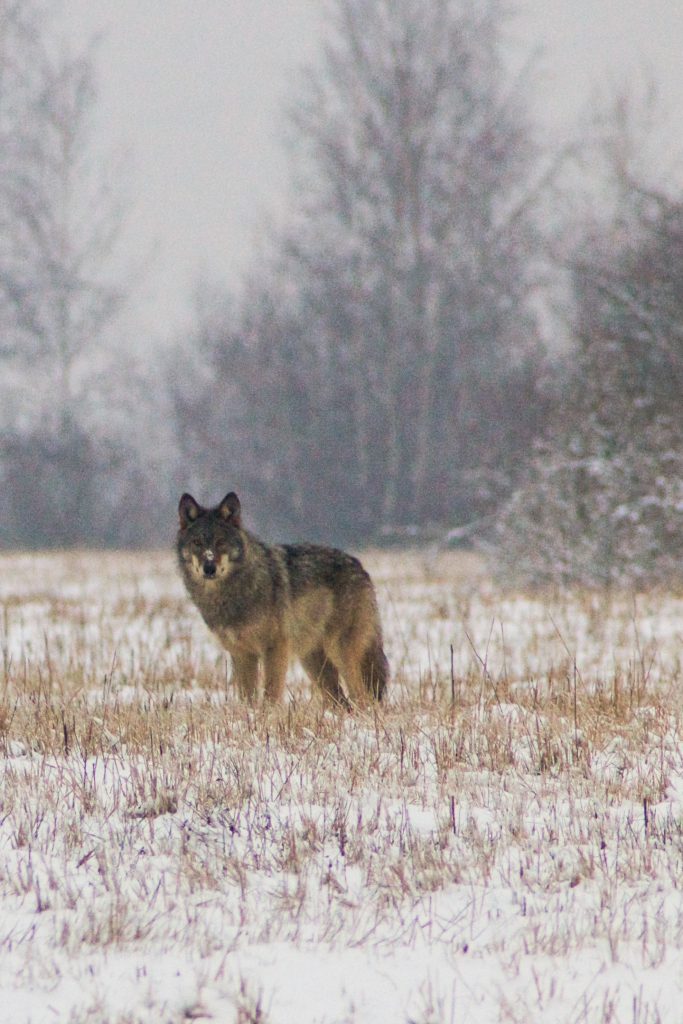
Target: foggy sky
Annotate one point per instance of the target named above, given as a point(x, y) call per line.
point(193, 90)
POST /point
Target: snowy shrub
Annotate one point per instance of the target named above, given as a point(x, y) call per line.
point(584, 516)
point(602, 498)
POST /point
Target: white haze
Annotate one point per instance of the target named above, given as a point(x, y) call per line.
point(195, 90)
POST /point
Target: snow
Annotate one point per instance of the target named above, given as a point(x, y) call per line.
point(168, 855)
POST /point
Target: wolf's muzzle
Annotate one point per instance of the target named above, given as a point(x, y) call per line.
point(209, 568)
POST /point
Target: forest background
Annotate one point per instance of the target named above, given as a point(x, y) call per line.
point(460, 331)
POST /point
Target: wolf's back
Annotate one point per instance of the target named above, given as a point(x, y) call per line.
point(313, 565)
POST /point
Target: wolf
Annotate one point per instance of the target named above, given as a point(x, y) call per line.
point(270, 603)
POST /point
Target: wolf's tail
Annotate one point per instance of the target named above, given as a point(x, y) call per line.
point(375, 670)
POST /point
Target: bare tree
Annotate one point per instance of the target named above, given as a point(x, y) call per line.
point(391, 334)
point(418, 165)
point(62, 228)
point(60, 288)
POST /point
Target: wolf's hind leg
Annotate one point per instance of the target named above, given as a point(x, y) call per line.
point(374, 669)
point(325, 675)
point(245, 675)
point(365, 669)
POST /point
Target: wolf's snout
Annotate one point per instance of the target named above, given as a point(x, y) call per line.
point(209, 568)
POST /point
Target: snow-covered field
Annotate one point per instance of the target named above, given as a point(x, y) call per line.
point(502, 842)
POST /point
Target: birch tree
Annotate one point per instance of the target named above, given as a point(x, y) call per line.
point(417, 169)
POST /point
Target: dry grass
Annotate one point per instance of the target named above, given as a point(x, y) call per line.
point(503, 840)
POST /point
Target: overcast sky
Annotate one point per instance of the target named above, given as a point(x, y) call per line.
point(194, 89)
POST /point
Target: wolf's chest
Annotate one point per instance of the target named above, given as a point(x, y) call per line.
point(251, 637)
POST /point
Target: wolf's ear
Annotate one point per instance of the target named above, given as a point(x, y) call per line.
point(188, 511)
point(230, 509)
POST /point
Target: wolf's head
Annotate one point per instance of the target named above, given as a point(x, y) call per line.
point(211, 541)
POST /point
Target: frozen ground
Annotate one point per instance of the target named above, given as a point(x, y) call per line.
point(502, 842)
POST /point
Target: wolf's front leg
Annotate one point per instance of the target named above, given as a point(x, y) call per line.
point(245, 676)
point(275, 661)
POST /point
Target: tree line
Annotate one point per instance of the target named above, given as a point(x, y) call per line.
point(381, 374)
